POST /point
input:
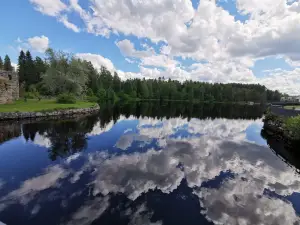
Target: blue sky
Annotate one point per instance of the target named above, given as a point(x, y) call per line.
point(223, 41)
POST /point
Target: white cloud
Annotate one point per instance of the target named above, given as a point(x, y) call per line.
point(64, 19)
point(15, 66)
point(283, 80)
point(129, 60)
point(49, 7)
point(148, 57)
point(127, 48)
point(208, 33)
point(39, 44)
point(97, 60)
point(55, 8)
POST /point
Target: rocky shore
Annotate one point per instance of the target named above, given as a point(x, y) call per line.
point(55, 113)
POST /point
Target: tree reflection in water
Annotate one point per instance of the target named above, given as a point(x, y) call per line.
point(66, 137)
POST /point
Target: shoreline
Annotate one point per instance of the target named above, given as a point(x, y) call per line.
point(44, 114)
point(276, 127)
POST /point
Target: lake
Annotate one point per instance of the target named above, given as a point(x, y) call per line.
point(147, 163)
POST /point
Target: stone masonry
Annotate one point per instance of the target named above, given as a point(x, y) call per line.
point(9, 87)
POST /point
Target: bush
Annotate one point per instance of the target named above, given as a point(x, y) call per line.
point(92, 98)
point(66, 98)
point(89, 92)
point(292, 127)
point(30, 95)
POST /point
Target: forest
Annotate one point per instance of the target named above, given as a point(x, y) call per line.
point(62, 73)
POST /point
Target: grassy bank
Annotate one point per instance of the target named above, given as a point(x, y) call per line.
point(33, 105)
point(292, 107)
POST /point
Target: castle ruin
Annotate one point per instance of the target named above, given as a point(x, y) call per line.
point(9, 86)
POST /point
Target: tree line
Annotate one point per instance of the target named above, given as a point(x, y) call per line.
point(6, 65)
point(60, 72)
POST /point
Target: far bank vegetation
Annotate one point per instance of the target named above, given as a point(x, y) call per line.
point(64, 77)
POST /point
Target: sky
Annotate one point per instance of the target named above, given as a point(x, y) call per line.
point(224, 41)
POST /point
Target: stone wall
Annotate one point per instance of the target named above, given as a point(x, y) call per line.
point(9, 131)
point(9, 87)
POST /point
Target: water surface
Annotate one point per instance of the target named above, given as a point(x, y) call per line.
point(146, 163)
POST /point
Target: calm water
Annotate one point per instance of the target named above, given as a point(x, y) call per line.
point(146, 164)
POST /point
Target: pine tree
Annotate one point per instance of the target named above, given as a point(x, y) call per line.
point(21, 67)
point(40, 69)
point(116, 83)
point(1, 63)
point(7, 64)
point(30, 71)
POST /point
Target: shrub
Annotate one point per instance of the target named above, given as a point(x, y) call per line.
point(30, 95)
point(89, 92)
point(66, 98)
point(292, 127)
point(92, 98)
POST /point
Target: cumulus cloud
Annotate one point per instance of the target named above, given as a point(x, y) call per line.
point(148, 57)
point(55, 8)
point(127, 48)
point(283, 80)
point(97, 60)
point(207, 33)
point(49, 7)
point(39, 44)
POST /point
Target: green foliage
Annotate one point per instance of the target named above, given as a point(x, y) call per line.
point(292, 127)
point(65, 74)
point(101, 94)
point(106, 78)
point(116, 83)
point(1, 63)
point(269, 116)
point(66, 98)
point(21, 67)
point(89, 92)
point(40, 69)
point(125, 97)
point(110, 95)
point(29, 71)
point(7, 64)
point(92, 98)
point(30, 95)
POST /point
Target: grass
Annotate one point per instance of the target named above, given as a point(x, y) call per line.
point(292, 107)
point(33, 105)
